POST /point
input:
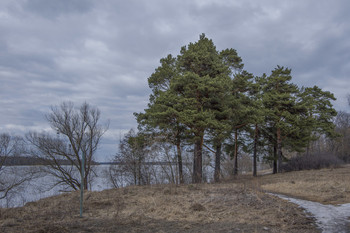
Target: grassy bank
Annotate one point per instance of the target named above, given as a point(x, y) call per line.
point(237, 205)
point(327, 186)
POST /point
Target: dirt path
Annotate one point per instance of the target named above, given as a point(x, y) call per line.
point(329, 218)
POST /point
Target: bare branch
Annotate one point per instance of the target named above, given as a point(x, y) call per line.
point(78, 134)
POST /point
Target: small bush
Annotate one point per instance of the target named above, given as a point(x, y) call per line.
point(197, 207)
point(313, 161)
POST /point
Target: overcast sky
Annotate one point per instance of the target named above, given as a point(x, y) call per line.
point(102, 52)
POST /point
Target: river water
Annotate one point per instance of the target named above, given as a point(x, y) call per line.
point(41, 186)
point(329, 218)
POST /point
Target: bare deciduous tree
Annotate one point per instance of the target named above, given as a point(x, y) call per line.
point(9, 179)
point(144, 159)
point(132, 156)
point(78, 135)
point(341, 145)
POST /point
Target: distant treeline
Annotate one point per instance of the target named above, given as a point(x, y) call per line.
point(160, 163)
point(29, 161)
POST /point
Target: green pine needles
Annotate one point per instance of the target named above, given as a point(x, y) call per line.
point(204, 98)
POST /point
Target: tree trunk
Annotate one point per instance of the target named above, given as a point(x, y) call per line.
point(274, 158)
point(86, 182)
point(308, 148)
point(197, 161)
point(255, 150)
point(217, 163)
point(134, 169)
point(179, 161)
point(139, 170)
point(235, 166)
point(194, 164)
point(83, 172)
point(279, 150)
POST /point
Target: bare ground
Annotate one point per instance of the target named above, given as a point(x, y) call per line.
point(238, 205)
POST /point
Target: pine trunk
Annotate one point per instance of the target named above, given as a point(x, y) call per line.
point(274, 158)
point(255, 150)
point(197, 161)
point(217, 163)
point(235, 166)
point(279, 150)
point(179, 161)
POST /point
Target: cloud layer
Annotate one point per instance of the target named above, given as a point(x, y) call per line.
point(103, 51)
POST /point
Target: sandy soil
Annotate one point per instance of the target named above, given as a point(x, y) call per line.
point(238, 205)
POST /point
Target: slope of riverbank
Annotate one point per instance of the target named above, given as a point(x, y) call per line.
point(190, 208)
point(327, 186)
point(238, 205)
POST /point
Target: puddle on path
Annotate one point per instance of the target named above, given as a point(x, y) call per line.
point(330, 218)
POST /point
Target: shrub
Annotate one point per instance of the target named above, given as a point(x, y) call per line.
point(313, 161)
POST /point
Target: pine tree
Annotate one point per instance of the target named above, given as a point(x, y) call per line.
point(320, 114)
point(242, 108)
point(257, 118)
point(160, 117)
point(279, 99)
point(189, 95)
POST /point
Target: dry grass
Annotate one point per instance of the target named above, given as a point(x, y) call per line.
point(328, 186)
point(226, 207)
point(238, 205)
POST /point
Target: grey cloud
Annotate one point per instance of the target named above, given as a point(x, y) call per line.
point(54, 9)
point(103, 51)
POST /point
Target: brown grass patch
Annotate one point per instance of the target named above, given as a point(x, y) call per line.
point(226, 207)
point(237, 205)
point(328, 186)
